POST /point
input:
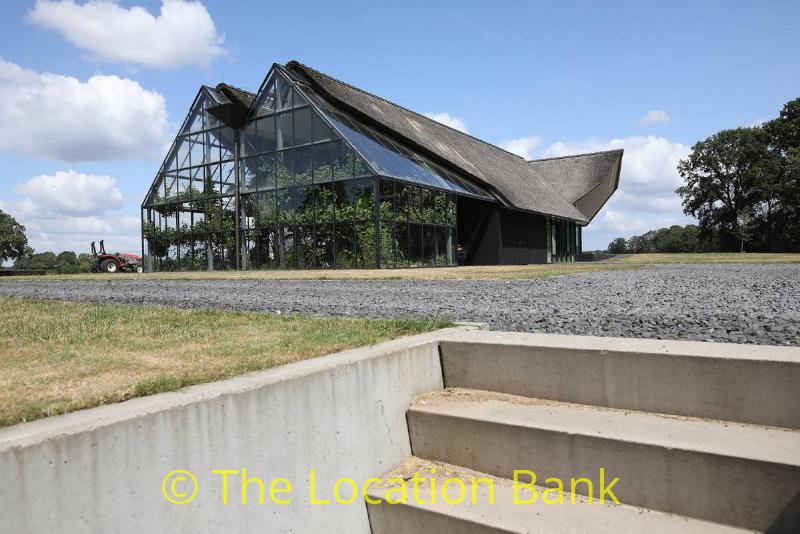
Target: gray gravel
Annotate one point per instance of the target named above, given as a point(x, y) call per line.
point(739, 303)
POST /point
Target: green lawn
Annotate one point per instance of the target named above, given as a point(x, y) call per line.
point(56, 357)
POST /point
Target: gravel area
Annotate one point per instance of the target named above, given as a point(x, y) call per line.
point(742, 303)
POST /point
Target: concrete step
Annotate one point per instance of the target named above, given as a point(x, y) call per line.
point(742, 475)
point(479, 516)
point(743, 383)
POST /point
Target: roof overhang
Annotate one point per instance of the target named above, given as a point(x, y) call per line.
point(586, 180)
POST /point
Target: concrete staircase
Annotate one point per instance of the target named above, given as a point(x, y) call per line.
point(703, 437)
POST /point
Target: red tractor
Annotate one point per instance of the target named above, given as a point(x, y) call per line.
point(115, 263)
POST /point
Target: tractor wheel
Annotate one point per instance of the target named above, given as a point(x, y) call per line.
point(108, 266)
point(139, 269)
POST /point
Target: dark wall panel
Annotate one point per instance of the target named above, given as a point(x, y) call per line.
point(523, 238)
point(496, 236)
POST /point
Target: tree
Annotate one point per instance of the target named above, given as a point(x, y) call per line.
point(743, 185)
point(784, 133)
point(727, 177)
point(67, 263)
point(617, 246)
point(12, 238)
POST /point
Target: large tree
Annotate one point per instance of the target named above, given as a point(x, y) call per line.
point(784, 135)
point(743, 185)
point(12, 238)
point(729, 178)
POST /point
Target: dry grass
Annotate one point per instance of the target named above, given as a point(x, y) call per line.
point(488, 272)
point(56, 357)
point(710, 257)
point(437, 273)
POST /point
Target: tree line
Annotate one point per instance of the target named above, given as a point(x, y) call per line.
point(674, 239)
point(14, 247)
point(743, 187)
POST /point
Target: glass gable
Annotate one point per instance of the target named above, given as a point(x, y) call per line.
point(311, 188)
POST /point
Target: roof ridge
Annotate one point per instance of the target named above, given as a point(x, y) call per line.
point(577, 155)
point(235, 88)
point(402, 107)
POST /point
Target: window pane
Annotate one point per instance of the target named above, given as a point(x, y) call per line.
point(225, 139)
point(284, 130)
point(401, 201)
point(265, 171)
point(297, 99)
point(426, 200)
point(284, 94)
point(429, 245)
point(210, 120)
point(265, 209)
point(342, 162)
point(415, 245)
point(195, 121)
point(258, 137)
point(323, 170)
point(305, 247)
point(402, 245)
point(228, 177)
point(355, 200)
point(324, 203)
point(303, 202)
point(196, 150)
point(324, 243)
point(286, 245)
point(302, 166)
point(387, 244)
point(439, 207)
point(387, 199)
point(283, 161)
point(320, 129)
point(182, 151)
point(302, 126)
point(364, 193)
point(414, 204)
point(285, 206)
point(365, 246)
point(266, 103)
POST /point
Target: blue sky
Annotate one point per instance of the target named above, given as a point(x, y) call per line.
point(90, 94)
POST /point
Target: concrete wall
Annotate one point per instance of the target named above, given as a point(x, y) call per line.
point(101, 470)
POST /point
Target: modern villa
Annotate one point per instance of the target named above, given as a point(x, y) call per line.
point(310, 172)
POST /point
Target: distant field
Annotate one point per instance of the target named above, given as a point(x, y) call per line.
point(710, 257)
point(490, 272)
point(57, 357)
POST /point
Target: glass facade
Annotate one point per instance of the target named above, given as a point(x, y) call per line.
point(563, 240)
point(298, 185)
point(302, 184)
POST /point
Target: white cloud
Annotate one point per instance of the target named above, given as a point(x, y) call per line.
point(182, 34)
point(646, 197)
point(69, 210)
point(54, 116)
point(655, 116)
point(71, 194)
point(448, 120)
point(522, 147)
